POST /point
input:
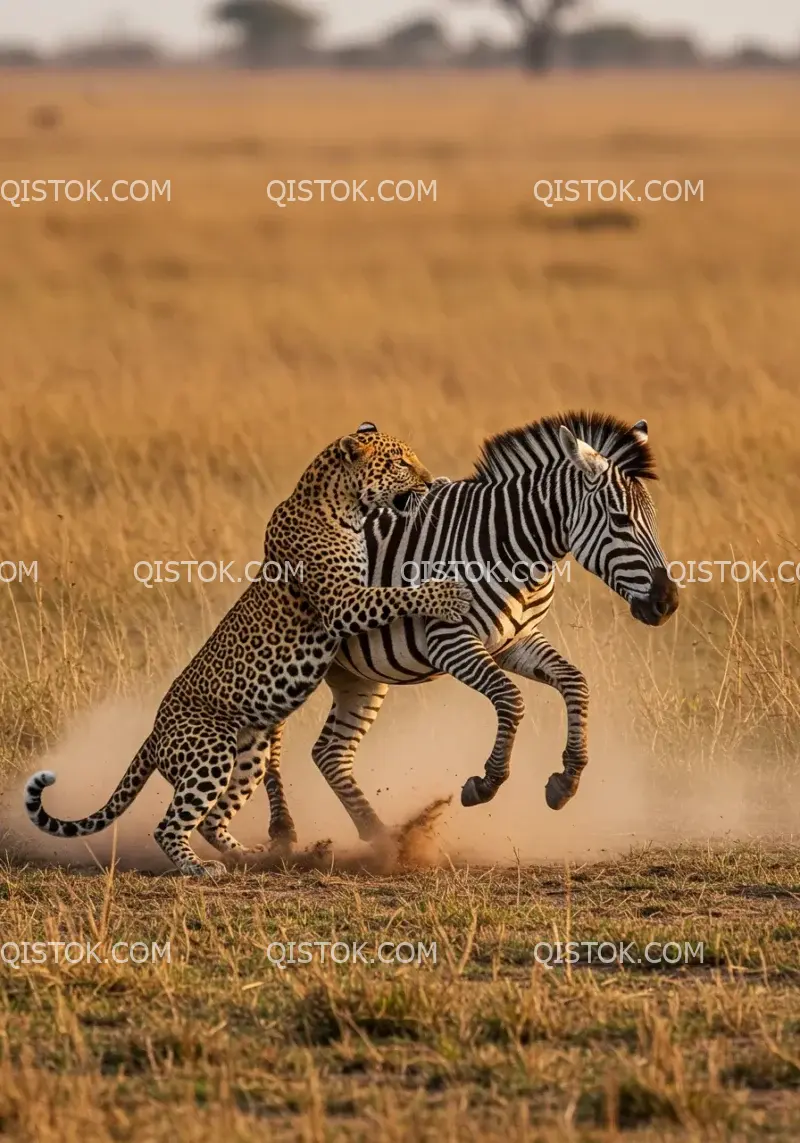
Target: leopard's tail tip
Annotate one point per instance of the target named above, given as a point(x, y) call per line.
point(38, 782)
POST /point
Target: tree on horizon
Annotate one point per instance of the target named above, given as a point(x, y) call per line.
point(271, 32)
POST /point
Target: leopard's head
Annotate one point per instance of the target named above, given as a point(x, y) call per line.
point(387, 473)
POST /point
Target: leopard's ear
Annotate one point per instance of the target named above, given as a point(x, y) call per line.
point(353, 448)
point(367, 427)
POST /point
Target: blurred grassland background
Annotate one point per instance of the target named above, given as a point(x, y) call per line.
point(168, 368)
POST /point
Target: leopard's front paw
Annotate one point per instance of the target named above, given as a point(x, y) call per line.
point(201, 869)
point(439, 482)
point(454, 601)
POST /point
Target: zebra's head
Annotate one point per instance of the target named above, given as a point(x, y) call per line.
point(611, 523)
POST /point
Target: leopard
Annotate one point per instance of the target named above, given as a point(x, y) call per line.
point(212, 730)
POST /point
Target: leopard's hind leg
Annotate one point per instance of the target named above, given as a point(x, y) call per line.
point(258, 755)
point(197, 755)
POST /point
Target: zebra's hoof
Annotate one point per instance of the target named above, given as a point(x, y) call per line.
point(559, 790)
point(476, 791)
point(282, 845)
point(373, 831)
point(385, 846)
point(282, 833)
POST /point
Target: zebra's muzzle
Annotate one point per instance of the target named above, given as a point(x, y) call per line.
point(661, 602)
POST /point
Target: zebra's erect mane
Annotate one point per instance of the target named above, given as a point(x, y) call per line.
point(534, 443)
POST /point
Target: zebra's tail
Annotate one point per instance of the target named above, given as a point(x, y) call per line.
point(130, 785)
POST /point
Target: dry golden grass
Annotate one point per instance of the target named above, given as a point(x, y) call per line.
point(166, 370)
point(484, 1044)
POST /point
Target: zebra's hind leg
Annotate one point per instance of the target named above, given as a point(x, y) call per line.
point(458, 651)
point(282, 833)
point(252, 748)
point(534, 658)
point(356, 703)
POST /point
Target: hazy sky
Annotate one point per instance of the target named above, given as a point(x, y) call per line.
point(184, 24)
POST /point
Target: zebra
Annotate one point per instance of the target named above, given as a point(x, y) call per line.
point(563, 484)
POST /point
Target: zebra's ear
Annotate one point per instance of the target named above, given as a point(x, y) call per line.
point(640, 431)
point(586, 459)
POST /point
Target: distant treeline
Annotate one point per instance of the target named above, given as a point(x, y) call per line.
point(274, 33)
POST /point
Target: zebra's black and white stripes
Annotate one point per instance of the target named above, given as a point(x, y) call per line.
point(563, 484)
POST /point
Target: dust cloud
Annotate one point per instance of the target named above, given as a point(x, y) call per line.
point(428, 740)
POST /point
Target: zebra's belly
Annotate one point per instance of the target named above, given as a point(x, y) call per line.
point(398, 653)
point(394, 654)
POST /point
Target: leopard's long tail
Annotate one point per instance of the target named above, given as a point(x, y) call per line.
point(130, 785)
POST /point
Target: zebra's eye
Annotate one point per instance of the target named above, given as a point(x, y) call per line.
point(620, 519)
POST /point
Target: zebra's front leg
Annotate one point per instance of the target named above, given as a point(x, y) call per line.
point(534, 658)
point(459, 652)
point(356, 703)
